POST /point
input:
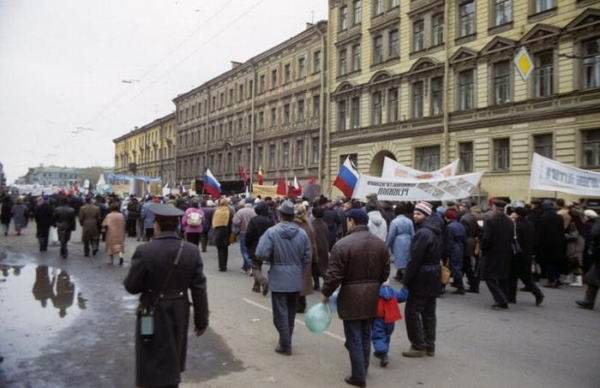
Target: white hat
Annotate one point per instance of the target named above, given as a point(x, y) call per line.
point(589, 213)
point(210, 203)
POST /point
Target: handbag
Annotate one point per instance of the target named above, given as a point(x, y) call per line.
point(147, 312)
point(516, 247)
point(445, 277)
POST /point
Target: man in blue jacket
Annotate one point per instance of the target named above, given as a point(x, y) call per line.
point(287, 247)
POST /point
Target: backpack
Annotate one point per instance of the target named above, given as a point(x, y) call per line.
point(195, 218)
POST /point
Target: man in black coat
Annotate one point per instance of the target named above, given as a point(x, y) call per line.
point(64, 219)
point(257, 226)
point(422, 278)
point(552, 248)
point(520, 267)
point(43, 218)
point(471, 258)
point(497, 252)
point(163, 270)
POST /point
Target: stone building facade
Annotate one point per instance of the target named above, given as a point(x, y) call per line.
point(149, 150)
point(429, 81)
point(267, 112)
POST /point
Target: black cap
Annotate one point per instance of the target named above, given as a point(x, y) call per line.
point(163, 210)
point(499, 203)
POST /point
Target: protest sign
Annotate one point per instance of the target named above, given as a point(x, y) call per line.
point(393, 170)
point(550, 175)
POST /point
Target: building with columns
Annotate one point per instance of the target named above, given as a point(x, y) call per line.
point(267, 112)
point(148, 150)
point(426, 82)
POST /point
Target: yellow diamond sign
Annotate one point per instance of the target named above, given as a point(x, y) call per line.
point(523, 63)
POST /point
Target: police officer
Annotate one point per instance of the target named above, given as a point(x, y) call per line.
point(163, 270)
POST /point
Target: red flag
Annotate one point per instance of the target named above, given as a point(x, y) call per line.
point(259, 176)
point(281, 187)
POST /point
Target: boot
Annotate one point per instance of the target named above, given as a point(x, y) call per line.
point(578, 281)
point(459, 291)
point(414, 353)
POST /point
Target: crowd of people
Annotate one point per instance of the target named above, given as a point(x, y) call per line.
point(345, 249)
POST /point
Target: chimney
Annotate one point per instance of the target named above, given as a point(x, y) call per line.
point(309, 25)
point(235, 64)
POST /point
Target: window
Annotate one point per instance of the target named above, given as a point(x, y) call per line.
point(542, 144)
point(315, 150)
point(437, 29)
point(341, 111)
point(466, 11)
point(316, 106)
point(377, 49)
point(427, 158)
point(465, 155)
point(230, 96)
point(417, 100)
point(317, 61)
point(259, 156)
point(286, 113)
point(392, 111)
point(301, 67)
point(377, 7)
point(355, 111)
point(418, 35)
point(544, 5)
point(393, 44)
point(377, 108)
point(357, 9)
point(591, 63)
point(222, 100)
point(274, 79)
point(273, 117)
point(544, 74)
point(356, 57)
point(241, 94)
point(240, 125)
point(501, 82)
point(261, 84)
point(250, 88)
point(466, 89)
point(261, 119)
point(344, 18)
point(437, 95)
point(394, 3)
point(300, 110)
point(591, 148)
point(501, 154)
point(300, 153)
point(287, 73)
point(343, 65)
point(285, 152)
point(272, 156)
point(502, 12)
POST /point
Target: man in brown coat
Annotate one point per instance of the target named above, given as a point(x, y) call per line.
point(360, 263)
point(89, 218)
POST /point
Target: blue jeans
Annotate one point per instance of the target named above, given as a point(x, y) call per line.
point(247, 264)
point(358, 343)
point(284, 315)
point(456, 267)
point(382, 336)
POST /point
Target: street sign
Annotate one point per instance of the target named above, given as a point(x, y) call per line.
point(524, 63)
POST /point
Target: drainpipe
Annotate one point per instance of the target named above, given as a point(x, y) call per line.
point(446, 133)
point(206, 132)
point(322, 105)
point(252, 121)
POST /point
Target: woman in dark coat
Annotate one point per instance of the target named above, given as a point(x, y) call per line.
point(257, 226)
point(552, 244)
point(322, 245)
point(6, 213)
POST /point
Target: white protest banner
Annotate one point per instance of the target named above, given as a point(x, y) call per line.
point(437, 189)
point(550, 175)
point(395, 170)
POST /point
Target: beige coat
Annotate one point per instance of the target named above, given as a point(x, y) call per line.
point(115, 233)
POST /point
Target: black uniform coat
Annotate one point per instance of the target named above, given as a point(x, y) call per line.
point(43, 218)
point(521, 263)
point(552, 240)
point(257, 226)
point(160, 360)
point(424, 271)
point(496, 246)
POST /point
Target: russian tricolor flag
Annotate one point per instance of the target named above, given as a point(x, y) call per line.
point(211, 184)
point(347, 178)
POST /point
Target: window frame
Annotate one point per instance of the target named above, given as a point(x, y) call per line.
point(423, 162)
point(461, 19)
point(595, 143)
point(414, 104)
point(496, 167)
point(495, 83)
point(378, 54)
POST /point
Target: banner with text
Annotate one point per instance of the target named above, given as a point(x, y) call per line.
point(437, 189)
point(550, 175)
point(264, 191)
point(395, 170)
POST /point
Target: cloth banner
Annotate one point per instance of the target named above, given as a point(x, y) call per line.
point(395, 170)
point(264, 191)
point(550, 175)
point(437, 189)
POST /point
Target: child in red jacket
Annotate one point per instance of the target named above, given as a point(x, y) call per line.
point(388, 312)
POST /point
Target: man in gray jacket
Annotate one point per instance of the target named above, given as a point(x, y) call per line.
point(287, 248)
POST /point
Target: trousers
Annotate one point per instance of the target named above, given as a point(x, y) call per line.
point(499, 289)
point(358, 343)
point(284, 315)
point(193, 238)
point(419, 314)
point(246, 261)
point(471, 269)
point(520, 268)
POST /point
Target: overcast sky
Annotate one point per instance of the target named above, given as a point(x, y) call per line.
point(63, 63)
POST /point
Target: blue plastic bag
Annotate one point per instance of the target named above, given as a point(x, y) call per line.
point(333, 301)
point(318, 318)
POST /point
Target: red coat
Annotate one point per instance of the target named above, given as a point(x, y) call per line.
point(388, 310)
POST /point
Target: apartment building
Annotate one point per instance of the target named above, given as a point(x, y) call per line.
point(267, 112)
point(148, 150)
point(426, 82)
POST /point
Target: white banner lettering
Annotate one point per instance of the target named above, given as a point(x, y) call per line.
point(550, 175)
point(437, 189)
point(395, 170)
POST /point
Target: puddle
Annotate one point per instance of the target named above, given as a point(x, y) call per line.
point(35, 303)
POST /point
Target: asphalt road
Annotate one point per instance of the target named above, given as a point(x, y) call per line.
point(91, 345)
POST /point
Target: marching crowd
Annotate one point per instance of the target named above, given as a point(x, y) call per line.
point(345, 249)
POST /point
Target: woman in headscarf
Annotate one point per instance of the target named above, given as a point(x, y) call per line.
point(114, 222)
point(301, 218)
point(221, 223)
point(20, 214)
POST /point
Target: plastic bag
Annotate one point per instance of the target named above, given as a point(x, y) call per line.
point(318, 318)
point(53, 236)
point(333, 301)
